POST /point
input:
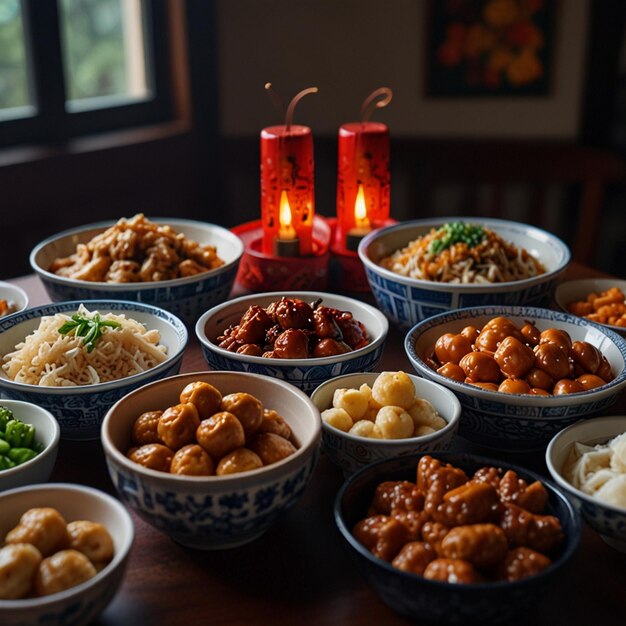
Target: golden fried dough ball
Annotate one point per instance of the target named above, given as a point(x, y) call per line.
point(178, 424)
point(192, 460)
point(246, 408)
point(63, 570)
point(423, 413)
point(271, 448)
point(239, 460)
point(394, 423)
point(220, 434)
point(274, 423)
point(92, 539)
point(145, 428)
point(338, 418)
point(18, 565)
point(353, 401)
point(44, 528)
point(365, 428)
point(154, 456)
point(204, 396)
point(422, 431)
point(393, 388)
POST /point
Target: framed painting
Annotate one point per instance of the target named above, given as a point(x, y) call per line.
point(485, 48)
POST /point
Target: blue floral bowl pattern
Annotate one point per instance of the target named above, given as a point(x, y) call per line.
point(438, 602)
point(306, 374)
point(79, 605)
point(187, 298)
point(514, 421)
point(80, 410)
point(221, 519)
point(607, 520)
point(213, 512)
point(407, 301)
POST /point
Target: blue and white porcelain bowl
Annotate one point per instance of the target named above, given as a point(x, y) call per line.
point(213, 512)
point(607, 520)
point(79, 605)
point(307, 374)
point(519, 421)
point(430, 601)
point(407, 301)
point(186, 297)
point(47, 435)
point(80, 409)
point(16, 298)
point(351, 452)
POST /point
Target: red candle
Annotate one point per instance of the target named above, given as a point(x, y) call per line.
point(362, 180)
point(287, 190)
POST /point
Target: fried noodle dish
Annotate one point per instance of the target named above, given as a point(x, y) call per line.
point(137, 250)
point(463, 253)
point(84, 349)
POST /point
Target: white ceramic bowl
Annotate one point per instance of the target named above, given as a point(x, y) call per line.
point(351, 452)
point(575, 290)
point(79, 410)
point(15, 296)
point(307, 374)
point(407, 301)
point(607, 520)
point(213, 512)
point(186, 297)
point(47, 433)
point(519, 421)
point(82, 604)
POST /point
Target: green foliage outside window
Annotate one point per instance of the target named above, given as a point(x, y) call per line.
point(13, 77)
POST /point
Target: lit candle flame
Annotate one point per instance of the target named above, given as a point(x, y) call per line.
point(360, 210)
point(285, 230)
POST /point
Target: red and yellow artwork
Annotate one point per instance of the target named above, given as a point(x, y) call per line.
point(500, 47)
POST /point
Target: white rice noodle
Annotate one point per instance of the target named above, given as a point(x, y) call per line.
point(50, 359)
point(600, 471)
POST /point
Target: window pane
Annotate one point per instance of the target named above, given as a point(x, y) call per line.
point(103, 50)
point(13, 68)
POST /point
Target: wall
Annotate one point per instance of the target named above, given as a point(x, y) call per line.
point(348, 48)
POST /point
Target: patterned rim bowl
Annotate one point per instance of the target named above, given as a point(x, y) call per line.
point(516, 421)
point(80, 409)
point(440, 602)
point(306, 374)
point(186, 297)
point(213, 512)
point(575, 290)
point(407, 301)
point(15, 296)
point(607, 520)
point(351, 452)
point(47, 434)
point(82, 604)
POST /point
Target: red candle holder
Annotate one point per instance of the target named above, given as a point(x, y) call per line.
point(259, 271)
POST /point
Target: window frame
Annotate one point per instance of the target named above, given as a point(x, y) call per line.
point(51, 121)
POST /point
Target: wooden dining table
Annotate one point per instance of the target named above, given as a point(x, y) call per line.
point(300, 571)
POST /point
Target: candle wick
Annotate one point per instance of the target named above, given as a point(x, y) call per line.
point(370, 103)
point(276, 99)
point(294, 101)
